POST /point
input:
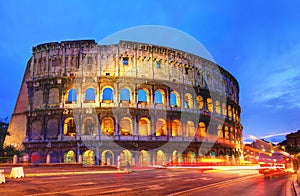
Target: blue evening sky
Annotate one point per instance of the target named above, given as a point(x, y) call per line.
point(258, 42)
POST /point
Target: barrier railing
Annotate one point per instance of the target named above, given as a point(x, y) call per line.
point(2, 177)
point(6, 159)
point(17, 172)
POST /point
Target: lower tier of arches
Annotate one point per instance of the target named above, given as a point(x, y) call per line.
point(139, 155)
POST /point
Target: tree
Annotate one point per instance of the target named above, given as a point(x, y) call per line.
point(3, 133)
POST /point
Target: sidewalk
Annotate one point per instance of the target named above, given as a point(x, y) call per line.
point(296, 186)
point(75, 169)
point(55, 170)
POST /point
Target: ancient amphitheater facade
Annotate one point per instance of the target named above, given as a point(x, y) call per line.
point(128, 102)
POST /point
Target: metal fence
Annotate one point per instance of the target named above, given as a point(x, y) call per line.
point(6, 159)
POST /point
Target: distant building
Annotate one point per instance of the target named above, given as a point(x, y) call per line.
point(293, 139)
point(128, 102)
point(256, 149)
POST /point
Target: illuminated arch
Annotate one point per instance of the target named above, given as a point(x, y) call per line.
point(220, 131)
point(144, 158)
point(200, 102)
point(144, 126)
point(143, 96)
point(175, 99)
point(175, 156)
point(88, 157)
point(161, 127)
point(226, 130)
point(107, 125)
point(107, 94)
point(237, 116)
point(70, 157)
point(126, 126)
point(160, 157)
point(125, 158)
point(69, 127)
point(107, 157)
point(229, 111)
point(160, 96)
point(176, 128)
point(190, 129)
point(224, 109)
point(188, 101)
point(210, 106)
point(72, 95)
point(233, 113)
point(191, 157)
point(218, 107)
point(201, 132)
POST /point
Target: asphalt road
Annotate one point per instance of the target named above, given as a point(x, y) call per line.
point(152, 182)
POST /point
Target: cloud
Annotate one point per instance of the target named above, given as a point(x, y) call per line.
point(279, 88)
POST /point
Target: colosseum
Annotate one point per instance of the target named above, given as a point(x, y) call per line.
point(128, 102)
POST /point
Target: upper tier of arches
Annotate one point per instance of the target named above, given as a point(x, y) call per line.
point(130, 59)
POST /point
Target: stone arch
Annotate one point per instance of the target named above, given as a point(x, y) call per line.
point(143, 96)
point(88, 157)
point(126, 126)
point(52, 128)
point(107, 94)
point(200, 102)
point(125, 95)
point(175, 158)
point(69, 157)
point(69, 127)
point(210, 106)
point(53, 96)
point(107, 157)
point(108, 126)
point(144, 158)
point(213, 153)
point(220, 131)
point(38, 98)
point(160, 96)
point(175, 99)
point(71, 95)
point(36, 130)
point(201, 131)
point(90, 95)
point(176, 128)
point(190, 129)
point(54, 157)
point(160, 157)
point(125, 158)
point(88, 126)
point(161, 127)
point(191, 156)
point(36, 157)
point(144, 126)
point(229, 111)
point(224, 109)
point(188, 101)
point(218, 107)
point(221, 153)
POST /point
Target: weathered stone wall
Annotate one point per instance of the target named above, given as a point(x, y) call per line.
point(55, 68)
point(17, 125)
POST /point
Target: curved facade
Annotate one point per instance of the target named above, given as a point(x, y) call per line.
point(128, 102)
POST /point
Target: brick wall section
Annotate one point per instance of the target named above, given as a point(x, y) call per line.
point(17, 125)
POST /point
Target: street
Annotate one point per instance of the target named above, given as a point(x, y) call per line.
point(153, 182)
